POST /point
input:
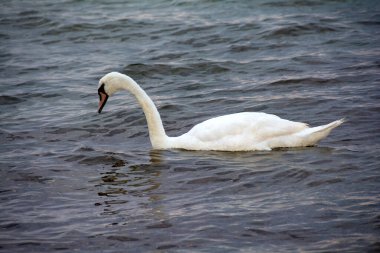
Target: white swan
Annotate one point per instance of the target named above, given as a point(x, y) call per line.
point(246, 131)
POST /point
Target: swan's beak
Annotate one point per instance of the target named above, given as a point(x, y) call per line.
point(102, 101)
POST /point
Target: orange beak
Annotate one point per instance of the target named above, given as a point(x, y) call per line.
point(102, 101)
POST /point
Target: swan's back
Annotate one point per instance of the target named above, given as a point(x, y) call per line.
point(239, 132)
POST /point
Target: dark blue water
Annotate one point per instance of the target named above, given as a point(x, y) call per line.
point(76, 181)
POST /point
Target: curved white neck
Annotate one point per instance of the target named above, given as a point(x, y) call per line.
point(157, 134)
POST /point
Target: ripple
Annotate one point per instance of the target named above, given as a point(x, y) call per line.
point(296, 174)
point(298, 30)
point(308, 80)
point(324, 182)
point(104, 159)
point(28, 21)
point(163, 224)
point(298, 3)
point(9, 100)
point(142, 70)
point(121, 238)
point(23, 177)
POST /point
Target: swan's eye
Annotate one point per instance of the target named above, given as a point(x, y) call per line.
point(101, 88)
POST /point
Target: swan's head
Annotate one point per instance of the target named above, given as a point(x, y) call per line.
point(108, 85)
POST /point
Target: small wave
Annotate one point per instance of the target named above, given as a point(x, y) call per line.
point(294, 3)
point(324, 182)
point(243, 48)
point(163, 224)
point(363, 66)
point(28, 19)
point(369, 22)
point(4, 37)
point(309, 80)
point(249, 26)
point(103, 159)
point(115, 132)
point(310, 59)
point(122, 238)
point(208, 180)
point(38, 95)
point(86, 31)
point(29, 177)
point(297, 30)
point(194, 29)
point(293, 174)
point(139, 69)
point(32, 22)
point(9, 100)
point(5, 135)
point(70, 28)
point(169, 56)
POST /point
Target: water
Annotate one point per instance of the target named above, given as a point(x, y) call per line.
point(76, 181)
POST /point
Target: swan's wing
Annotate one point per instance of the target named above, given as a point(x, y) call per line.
point(247, 127)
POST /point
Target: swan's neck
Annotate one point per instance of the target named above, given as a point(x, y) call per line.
point(157, 133)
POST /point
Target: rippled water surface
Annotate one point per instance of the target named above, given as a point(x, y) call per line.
point(76, 181)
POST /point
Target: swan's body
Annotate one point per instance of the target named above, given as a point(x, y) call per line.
point(246, 131)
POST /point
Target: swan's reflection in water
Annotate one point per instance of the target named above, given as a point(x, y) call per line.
point(130, 187)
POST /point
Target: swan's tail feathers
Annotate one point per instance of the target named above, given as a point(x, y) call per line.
point(329, 126)
point(314, 134)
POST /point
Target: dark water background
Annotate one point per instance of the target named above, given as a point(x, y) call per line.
point(75, 181)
